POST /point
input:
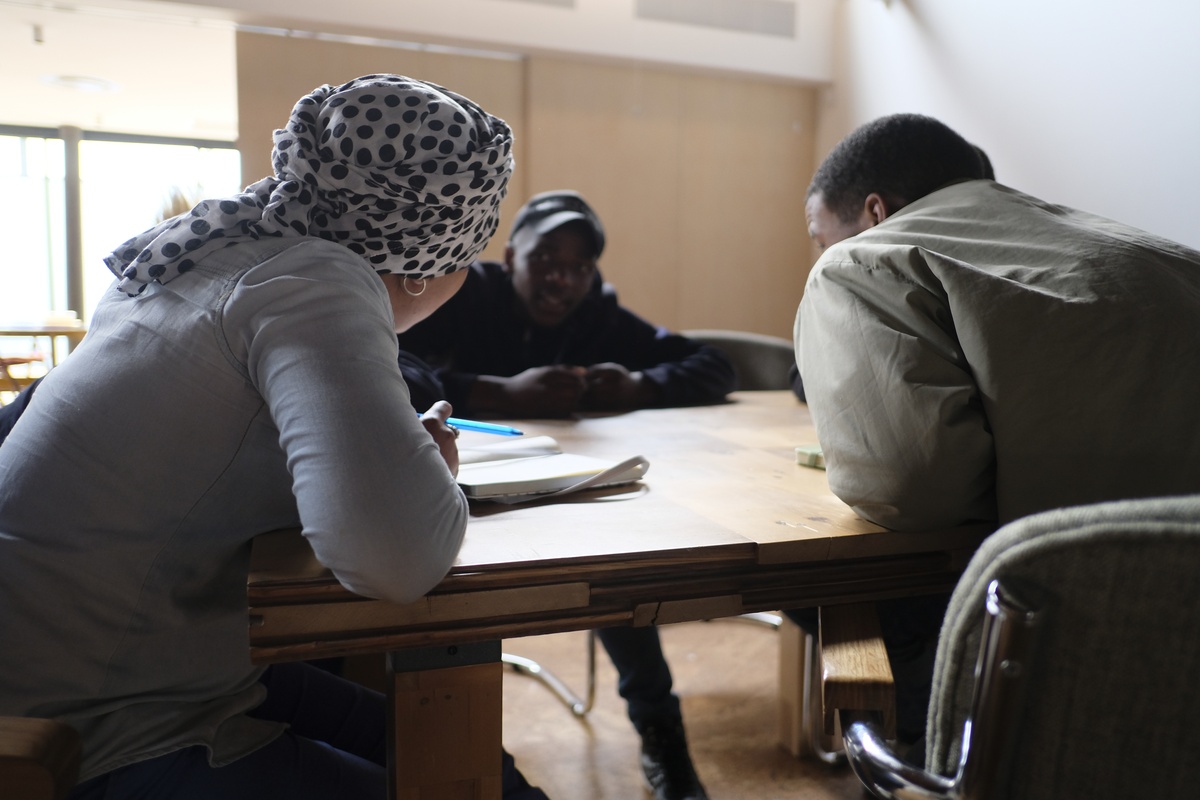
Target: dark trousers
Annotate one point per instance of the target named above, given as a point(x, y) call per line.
point(643, 677)
point(334, 749)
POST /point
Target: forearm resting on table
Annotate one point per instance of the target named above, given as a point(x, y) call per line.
point(488, 393)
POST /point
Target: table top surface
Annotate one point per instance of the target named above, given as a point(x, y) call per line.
point(42, 330)
point(723, 508)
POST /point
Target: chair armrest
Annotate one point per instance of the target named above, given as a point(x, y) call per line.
point(855, 673)
point(883, 773)
point(39, 758)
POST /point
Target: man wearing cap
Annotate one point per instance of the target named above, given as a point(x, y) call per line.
point(541, 335)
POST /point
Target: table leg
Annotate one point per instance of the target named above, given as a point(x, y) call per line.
point(444, 740)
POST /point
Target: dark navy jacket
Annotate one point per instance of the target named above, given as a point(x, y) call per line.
point(480, 331)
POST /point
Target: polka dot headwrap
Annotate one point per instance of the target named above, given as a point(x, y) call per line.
point(405, 173)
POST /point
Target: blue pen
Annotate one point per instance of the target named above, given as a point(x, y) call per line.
point(482, 427)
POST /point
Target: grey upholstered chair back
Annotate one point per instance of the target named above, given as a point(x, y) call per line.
point(760, 361)
point(1111, 705)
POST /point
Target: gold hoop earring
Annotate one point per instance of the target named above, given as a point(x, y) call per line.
point(410, 292)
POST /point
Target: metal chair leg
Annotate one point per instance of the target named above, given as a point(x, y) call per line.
point(578, 707)
point(810, 709)
point(581, 706)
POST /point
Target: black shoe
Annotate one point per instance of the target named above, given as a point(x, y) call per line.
point(666, 765)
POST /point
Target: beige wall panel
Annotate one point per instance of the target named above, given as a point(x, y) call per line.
point(748, 157)
point(611, 133)
point(275, 71)
point(699, 180)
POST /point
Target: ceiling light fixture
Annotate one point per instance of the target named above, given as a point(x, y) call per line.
point(81, 83)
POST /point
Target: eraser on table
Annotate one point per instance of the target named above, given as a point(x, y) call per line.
point(810, 456)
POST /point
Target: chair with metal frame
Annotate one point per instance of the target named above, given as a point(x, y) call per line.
point(1066, 665)
point(761, 362)
point(579, 706)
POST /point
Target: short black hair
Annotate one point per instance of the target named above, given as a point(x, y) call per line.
point(985, 163)
point(902, 157)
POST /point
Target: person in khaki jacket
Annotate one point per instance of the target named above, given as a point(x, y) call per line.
point(972, 353)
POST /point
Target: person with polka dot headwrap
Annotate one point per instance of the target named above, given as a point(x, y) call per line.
point(241, 376)
point(406, 174)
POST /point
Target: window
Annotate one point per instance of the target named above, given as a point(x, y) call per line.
point(33, 271)
point(124, 184)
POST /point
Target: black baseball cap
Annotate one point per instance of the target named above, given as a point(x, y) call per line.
point(546, 211)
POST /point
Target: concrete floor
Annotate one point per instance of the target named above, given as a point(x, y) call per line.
point(726, 676)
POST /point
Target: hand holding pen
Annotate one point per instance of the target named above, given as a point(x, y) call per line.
point(482, 427)
point(459, 424)
point(445, 429)
point(444, 436)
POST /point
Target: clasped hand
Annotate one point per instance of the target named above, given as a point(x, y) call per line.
point(560, 390)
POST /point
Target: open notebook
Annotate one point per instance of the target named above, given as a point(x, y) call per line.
point(529, 469)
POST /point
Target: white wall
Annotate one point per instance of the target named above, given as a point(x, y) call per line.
point(1090, 103)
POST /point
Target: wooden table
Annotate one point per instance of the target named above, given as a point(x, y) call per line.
point(724, 523)
point(73, 334)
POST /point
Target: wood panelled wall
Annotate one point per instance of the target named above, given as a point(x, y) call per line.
point(699, 180)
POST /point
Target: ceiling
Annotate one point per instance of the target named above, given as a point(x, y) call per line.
point(142, 72)
point(154, 67)
point(166, 68)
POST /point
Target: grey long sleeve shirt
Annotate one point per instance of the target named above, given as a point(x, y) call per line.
point(258, 391)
